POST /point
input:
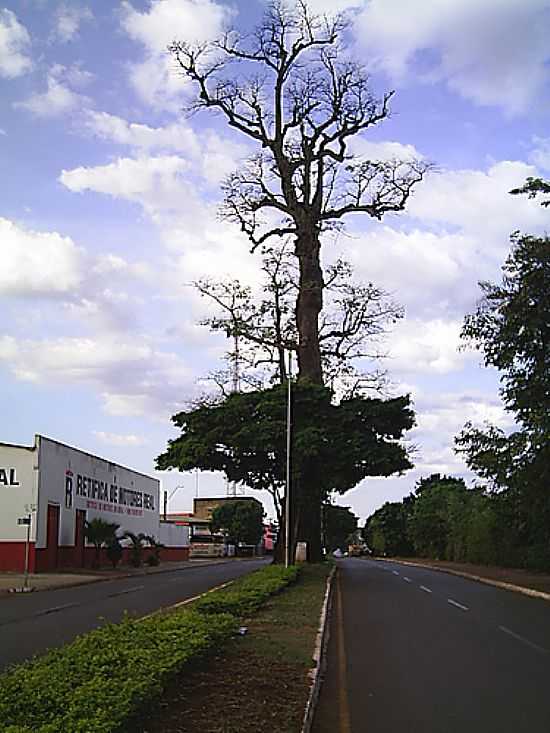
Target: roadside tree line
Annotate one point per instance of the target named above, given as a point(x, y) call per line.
point(505, 520)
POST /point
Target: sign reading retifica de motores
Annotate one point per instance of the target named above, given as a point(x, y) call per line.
point(106, 496)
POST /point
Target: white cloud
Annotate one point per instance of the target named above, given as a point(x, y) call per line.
point(540, 155)
point(38, 263)
point(3, 132)
point(428, 273)
point(133, 377)
point(213, 157)
point(479, 203)
point(494, 52)
point(59, 98)
point(178, 137)
point(14, 44)
point(155, 79)
point(156, 183)
point(431, 347)
point(386, 150)
point(68, 20)
point(125, 441)
point(170, 20)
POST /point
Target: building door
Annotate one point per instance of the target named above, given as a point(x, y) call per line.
point(52, 535)
point(79, 538)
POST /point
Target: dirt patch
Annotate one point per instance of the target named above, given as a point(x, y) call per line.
point(259, 681)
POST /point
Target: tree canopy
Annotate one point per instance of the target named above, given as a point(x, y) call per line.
point(334, 445)
point(240, 521)
point(339, 523)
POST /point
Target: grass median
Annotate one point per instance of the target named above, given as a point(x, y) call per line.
point(105, 680)
point(256, 682)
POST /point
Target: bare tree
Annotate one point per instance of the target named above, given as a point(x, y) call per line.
point(290, 88)
point(352, 326)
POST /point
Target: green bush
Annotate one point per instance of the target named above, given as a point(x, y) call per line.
point(97, 683)
point(104, 679)
point(248, 593)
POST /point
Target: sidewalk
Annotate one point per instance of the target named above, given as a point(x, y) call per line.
point(49, 581)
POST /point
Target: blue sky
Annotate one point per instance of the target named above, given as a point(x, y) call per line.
point(108, 200)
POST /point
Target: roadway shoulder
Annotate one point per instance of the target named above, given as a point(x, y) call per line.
point(479, 578)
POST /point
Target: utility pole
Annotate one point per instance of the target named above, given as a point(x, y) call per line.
point(288, 448)
point(231, 485)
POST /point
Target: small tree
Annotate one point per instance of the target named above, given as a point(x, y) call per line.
point(240, 521)
point(137, 543)
point(339, 522)
point(100, 533)
point(156, 547)
point(114, 551)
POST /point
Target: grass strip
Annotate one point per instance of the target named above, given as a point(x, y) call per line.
point(257, 682)
point(105, 678)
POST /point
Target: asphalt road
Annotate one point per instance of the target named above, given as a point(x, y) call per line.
point(418, 651)
point(33, 623)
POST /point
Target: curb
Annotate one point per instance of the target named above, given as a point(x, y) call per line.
point(488, 581)
point(319, 656)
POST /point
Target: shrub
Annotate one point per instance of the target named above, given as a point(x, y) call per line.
point(248, 593)
point(104, 678)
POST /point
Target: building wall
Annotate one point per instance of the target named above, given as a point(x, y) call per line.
point(62, 481)
point(18, 497)
point(173, 535)
point(74, 480)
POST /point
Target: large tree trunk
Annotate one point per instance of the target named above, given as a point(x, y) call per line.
point(308, 307)
point(309, 525)
point(306, 500)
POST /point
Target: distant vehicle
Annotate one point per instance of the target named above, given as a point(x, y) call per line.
point(338, 553)
point(356, 550)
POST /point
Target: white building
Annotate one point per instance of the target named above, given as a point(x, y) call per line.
point(61, 488)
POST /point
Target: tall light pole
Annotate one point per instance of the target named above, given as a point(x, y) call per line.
point(288, 450)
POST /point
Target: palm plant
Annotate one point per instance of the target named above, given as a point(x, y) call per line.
point(99, 532)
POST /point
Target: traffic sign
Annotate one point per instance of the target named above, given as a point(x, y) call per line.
point(24, 520)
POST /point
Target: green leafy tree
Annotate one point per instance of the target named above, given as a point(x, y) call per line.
point(386, 531)
point(339, 523)
point(100, 533)
point(334, 445)
point(240, 521)
point(432, 530)
point(511, 328)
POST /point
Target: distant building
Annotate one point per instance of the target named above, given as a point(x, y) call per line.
point(202, 541)
point(58, 488)
point(271, 532)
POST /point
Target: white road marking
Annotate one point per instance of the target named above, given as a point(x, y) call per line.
point(426, 590)
point(458, 605)
point(395, 572)
point(524, 640)
point(55, 609)
point(128, 590)
point(407, 580)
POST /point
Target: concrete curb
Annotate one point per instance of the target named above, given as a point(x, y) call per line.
point(319, 655)
point(488, 581)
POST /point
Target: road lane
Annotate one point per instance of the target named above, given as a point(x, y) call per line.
point(33, 623)
point(417, 662)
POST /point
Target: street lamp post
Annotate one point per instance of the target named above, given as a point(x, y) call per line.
point(288, 450)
